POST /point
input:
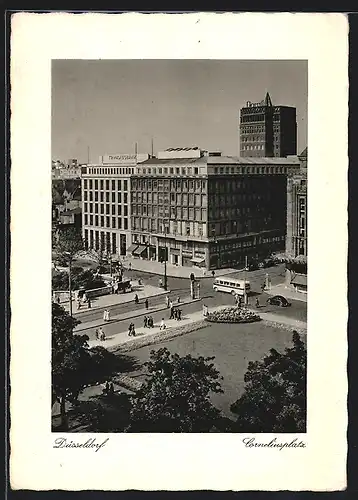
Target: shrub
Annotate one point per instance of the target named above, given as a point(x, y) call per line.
point(233, 315)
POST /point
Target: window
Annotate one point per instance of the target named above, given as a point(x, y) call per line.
point(113, 197)
point(91, 220)
point(86, 219)
point(125, 187)
point(85, 184)
point(113, 222)
point(96, 220)
point(125, 198)
point(90, 184)
point(101, 185)
point(119, 223)
point(125, 223)
point(187, 229)
point(113, 185)
point(101, 196)
point(108, 222)
point(85, 207)
point(102, 209)
point(107, 209)
point(119, 197)
point(125, 208)
point(107, 185)
point(113, 209)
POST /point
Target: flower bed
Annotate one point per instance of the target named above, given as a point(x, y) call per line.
point(232, 315)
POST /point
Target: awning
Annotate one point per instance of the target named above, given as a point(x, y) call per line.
point(197, 260)
point(139, 250)
point(175, 251)
point(131, 248)
point(300, 279)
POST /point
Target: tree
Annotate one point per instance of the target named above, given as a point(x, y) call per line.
point(175, 397)
point(80, 278)
point(68, 246)
point(275, 392)
point(74, 364)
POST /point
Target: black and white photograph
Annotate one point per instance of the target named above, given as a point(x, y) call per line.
point(165, 332)
point(179, 245)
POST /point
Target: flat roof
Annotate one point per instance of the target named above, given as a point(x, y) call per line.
point(251, 160)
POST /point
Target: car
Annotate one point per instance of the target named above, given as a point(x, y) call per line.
point(278, 300)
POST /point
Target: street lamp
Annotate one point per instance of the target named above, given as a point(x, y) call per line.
point(70, 279)
point(165, 259)
point(245, 295)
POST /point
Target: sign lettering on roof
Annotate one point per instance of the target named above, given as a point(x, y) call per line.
point(127, 159)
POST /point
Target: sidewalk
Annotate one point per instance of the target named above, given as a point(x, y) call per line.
point(132, 314)
point(155, 267)
point(143, 291)
point(122, 337)
point(287, 291)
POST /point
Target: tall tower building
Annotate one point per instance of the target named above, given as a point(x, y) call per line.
point(267, 130)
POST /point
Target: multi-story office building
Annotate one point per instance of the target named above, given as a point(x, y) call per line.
point(267, 130)
point(106, 208)
point(199, 208)
point(296, 237)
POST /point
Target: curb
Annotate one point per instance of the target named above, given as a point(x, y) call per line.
point(138, 315)
point(183, 277)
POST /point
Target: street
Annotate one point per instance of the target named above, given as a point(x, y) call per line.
point(181, 287)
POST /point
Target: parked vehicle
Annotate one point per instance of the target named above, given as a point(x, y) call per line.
point(278, 300)
point(231, 285)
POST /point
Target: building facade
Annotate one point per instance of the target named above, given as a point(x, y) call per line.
point(199, 208)
point(267, 130)
point(106, 208)
point(296, 236)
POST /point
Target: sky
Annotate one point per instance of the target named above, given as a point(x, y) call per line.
point(109, 105)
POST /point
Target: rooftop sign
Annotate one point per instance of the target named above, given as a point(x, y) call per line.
point(124, 159)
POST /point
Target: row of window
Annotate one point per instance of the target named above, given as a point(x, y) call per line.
point(106, 184)
point(110, 170)
point(168, 170)
point(258, 147)
point(183, 228)
point(253, 118)
point(108, 209)
point(251, 170)
point(169, 185)
point(243, 244)
point(172, 198)
point(105, 221)
point(254, 138)
point(105, 197)
point(173, 212)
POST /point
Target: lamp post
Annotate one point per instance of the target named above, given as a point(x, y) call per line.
point(69, 279)
point(245, 295)
point(165, 259)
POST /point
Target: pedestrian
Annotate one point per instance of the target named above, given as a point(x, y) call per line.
point(106, 390)
point(178, 299)
point(171, 312)
point(111, 388)
point(108, 315)
point(133, 330)
point(115, 287)
point(139, 282)
point(263, 287)
point(105, 315)
point(213, 273)
point(162, 325)
point(257, 303)
point(136, 300)
point(179, 315)
point(167, 301)
point(101, 334)
point(170, 304)
point(130, 266)
point(89, 305)
point(160, 283)
point(205, 310)
point(175, 313)
point(97, 334)
point(145, 321)
point(130, 330)
point(146, 303)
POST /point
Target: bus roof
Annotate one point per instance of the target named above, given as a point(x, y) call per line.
point(231, 280)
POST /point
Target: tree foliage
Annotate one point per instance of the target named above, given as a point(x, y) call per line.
point(74, 364)
point(68, 245)
point(275, 392)
point(87, 279)
point(175, 397)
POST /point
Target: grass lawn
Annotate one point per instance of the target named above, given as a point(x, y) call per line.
point(233, 347)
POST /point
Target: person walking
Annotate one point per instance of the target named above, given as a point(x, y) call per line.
point(178, 299)
point(97, 334)
point(213, 273)
point(130, 330)
point(167, 301)
point(105, 315)
point(136, 299)
point(89, 305)
point(171, 312)
point(205, 310)
point(133, 330)
point(179, 315)
point(130, 266)
point(146, 303)
point(101, 334)
point(151, 322)
point(78, 304)
point(145, 320)
point(162, 325)
point(257, 303)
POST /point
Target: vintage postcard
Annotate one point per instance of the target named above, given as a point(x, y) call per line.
point(181, 313)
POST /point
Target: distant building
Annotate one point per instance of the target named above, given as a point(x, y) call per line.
point(267, 130)
point(296, 237)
